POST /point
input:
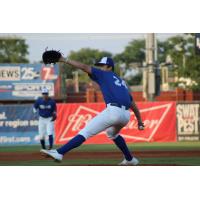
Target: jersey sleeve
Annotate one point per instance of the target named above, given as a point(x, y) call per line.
point(36, 104)
point(96, 74)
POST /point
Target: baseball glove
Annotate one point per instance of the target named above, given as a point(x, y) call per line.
point(54, 117)
point(51, 56)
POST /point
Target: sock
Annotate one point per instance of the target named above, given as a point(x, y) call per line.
point(42, 142)
point(73, 143)
point(50, 141)
point(121, 144)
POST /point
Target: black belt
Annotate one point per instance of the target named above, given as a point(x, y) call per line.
point(119, 106)
point(45, 117)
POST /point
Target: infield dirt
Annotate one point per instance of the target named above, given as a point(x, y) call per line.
point(31, 156)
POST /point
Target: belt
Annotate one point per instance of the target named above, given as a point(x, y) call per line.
point(45, 117)
point(119, 106)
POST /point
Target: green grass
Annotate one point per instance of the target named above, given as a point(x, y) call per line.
point(111, 161)
point(111, 147)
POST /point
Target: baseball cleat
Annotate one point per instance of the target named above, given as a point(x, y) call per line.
point(132, 162)
point(53, 154)
point(42, 150)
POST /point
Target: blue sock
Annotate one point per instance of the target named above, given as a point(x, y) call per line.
point(42, 142)
point(73, 143)
point(50, 141)
point(121, 144)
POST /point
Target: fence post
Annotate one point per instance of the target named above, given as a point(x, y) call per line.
point(90, 95)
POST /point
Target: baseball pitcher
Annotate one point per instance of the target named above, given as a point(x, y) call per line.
point(113, 118)
point(46, 108)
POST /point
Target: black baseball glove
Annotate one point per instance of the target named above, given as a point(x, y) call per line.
point(51, 56)
point(54, 117)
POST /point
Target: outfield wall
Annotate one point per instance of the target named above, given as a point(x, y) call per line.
point(164, 122)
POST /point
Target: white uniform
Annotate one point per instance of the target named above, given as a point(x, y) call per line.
point(112, 119)
point(46, 126)
point(118, 101)
point(47, 109)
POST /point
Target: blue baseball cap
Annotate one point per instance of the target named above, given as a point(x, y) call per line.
point(106, 61)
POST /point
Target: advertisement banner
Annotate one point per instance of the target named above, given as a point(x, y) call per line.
point(25, 81)
point(188, 121)
point(159, 119)
point(18, 125)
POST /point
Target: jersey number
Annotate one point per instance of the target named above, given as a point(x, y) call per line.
point(119, 83)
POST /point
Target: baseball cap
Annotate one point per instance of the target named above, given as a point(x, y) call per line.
point(45, 91)
point(106, 61)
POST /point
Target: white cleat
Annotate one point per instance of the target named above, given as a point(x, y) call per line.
point(53, 154)
point(132, 162)
point(42, 150)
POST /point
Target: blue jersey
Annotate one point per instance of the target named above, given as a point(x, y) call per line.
point(114, 89)
point(46, 107)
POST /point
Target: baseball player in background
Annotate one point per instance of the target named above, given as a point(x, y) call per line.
point(46, 108)
point(113, 118)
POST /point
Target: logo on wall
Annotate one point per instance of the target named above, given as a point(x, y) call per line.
point(155, 116)
point(188, 121)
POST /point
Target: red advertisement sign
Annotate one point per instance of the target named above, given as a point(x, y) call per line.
point(159, 119)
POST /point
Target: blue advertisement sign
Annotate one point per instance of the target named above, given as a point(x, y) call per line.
point(25, 81)
point(18, 125)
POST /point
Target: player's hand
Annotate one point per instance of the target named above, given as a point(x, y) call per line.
point(53, 118)
point(140, 126)
point(62, 59)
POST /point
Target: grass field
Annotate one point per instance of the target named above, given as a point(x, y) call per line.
point(181, 153)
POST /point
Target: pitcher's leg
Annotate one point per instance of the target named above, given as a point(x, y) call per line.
point(96, 125)
point(121, 144)
point(73, 143)
point(113, 133)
